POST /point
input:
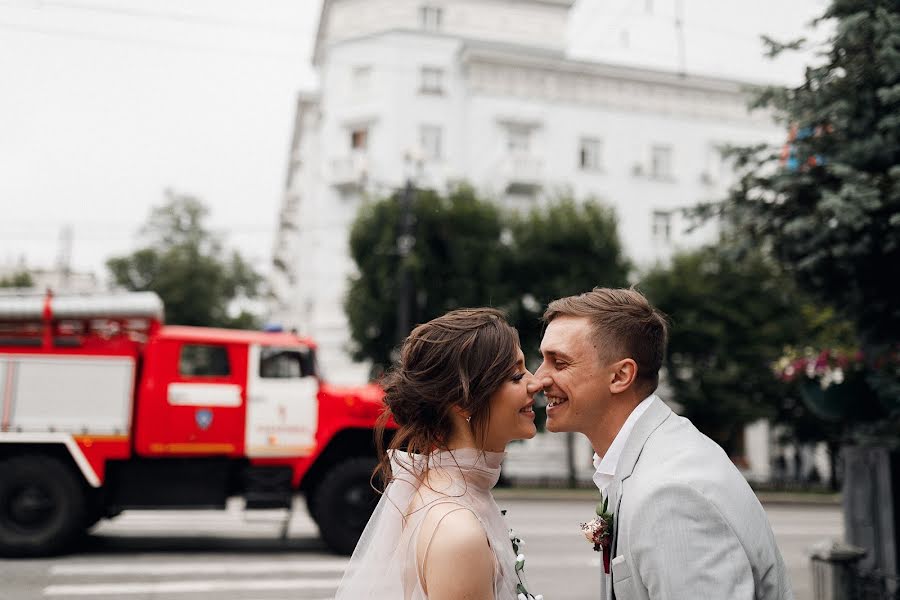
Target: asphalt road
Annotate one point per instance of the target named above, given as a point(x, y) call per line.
point(200, 555)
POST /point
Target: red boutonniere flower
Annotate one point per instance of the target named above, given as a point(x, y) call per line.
point(598, 531)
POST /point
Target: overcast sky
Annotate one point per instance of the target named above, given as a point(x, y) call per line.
point(106, 103)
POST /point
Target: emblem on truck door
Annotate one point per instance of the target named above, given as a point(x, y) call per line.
point(204, 418)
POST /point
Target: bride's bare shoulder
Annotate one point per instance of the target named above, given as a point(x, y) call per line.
point(453, 554)
point(447, 522)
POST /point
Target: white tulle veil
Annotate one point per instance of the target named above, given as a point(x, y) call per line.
point(383, 565)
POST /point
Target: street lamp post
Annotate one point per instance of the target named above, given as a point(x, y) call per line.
point(406, 241)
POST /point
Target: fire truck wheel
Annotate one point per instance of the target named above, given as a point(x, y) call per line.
point(42, 507)
point(344, 501)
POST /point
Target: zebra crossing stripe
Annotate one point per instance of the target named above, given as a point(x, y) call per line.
point(193, 586)
point(200, 568)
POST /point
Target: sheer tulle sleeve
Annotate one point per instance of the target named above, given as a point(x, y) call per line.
point(383, 565)
point(380, 564)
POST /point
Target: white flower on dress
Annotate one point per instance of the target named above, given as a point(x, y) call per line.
point(521, 587)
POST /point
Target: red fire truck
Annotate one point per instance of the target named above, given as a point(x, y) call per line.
point(105, 409)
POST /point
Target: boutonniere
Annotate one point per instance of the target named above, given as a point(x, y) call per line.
point(599, 530)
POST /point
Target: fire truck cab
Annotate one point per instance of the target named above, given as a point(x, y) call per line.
point(105, 409)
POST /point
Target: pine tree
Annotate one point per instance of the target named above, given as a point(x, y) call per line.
point(827, 205)
point(827, 208)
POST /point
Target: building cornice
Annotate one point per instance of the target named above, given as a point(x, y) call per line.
point(511, 72)
point(526, 56)
point(515, 70)
point(516, 55)
point(326, 11)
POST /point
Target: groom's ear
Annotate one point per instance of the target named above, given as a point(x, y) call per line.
point(623, 375)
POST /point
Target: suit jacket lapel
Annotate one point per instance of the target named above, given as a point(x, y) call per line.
point(654, 416)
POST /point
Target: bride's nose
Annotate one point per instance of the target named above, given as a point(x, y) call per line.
point(536, 385)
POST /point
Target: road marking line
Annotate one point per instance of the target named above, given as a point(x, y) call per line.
point(200, 568)
point(187, 587)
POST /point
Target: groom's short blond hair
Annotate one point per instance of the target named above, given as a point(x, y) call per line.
point(624, 325)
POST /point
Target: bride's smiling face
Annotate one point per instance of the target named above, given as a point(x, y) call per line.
point(511, 410)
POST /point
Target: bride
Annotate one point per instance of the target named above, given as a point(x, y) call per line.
point(459, 396)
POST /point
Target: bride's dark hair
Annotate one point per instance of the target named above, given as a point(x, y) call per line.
point(457, 360)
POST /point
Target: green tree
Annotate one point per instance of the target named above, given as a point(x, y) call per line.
point(732, 314)
point(561, 249)
point(730, 320)
point(21, 279)
point(183, 262)
point(456, 261)
point(830, 212)
point(470, 252)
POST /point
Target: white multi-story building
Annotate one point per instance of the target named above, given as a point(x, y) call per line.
point(484, 91)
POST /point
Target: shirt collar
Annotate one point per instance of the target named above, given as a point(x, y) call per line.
point(606, 466)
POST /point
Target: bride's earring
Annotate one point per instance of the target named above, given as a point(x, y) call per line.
point(468, 419)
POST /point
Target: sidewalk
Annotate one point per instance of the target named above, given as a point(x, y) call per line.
point(592, 495)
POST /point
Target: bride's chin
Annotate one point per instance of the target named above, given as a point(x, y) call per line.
point(527, 435)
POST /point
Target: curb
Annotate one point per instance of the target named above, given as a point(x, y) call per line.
point(799, 499)
point(591, 495)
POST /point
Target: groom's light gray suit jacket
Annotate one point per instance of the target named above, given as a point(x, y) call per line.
point(687, 525)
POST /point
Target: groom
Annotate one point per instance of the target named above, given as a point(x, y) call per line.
point(686, 524)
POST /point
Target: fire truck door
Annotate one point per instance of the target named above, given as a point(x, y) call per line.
point(193, 401)
point(282, 406)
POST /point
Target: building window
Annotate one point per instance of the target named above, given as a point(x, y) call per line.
point(361, 79)
point(430, 142)
point(661, 162)
point(518, 139)
point(431, 17)
point(359, 139)
point(431, 80)
point(589, 154)
point(662, 226)
point(716, 167)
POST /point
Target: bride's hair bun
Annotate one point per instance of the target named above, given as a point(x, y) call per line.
point(406, 403)
point(456, 360)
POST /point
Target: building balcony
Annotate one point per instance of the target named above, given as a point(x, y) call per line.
point(522, 174)
point(349, 173)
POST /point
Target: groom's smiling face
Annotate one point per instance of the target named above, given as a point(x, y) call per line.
point(576, 383)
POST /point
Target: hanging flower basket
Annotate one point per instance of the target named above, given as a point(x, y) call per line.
point(834, 384)
point(851, 400)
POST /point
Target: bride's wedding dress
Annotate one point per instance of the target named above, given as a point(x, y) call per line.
point(383, 565)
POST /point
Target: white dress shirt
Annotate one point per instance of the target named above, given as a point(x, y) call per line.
point(606, 466)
